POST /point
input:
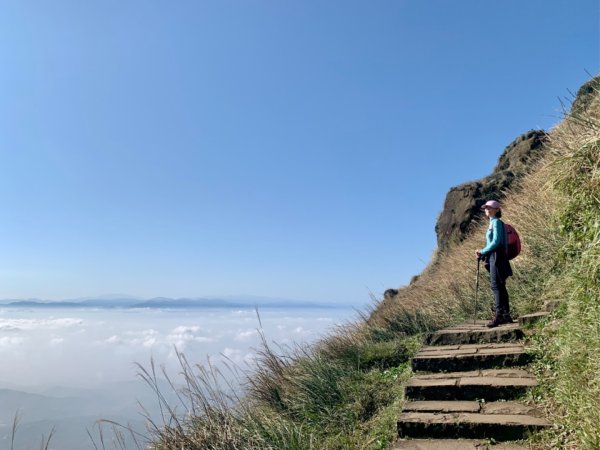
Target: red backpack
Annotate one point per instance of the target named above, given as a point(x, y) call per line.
point(513, 241)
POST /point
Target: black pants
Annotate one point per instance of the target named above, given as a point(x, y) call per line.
point(498, 288)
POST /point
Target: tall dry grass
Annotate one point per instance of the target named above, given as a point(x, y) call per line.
point(569, 347)
point(14, 433)
point(297, 398)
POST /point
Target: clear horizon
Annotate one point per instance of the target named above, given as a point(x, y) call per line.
point(243, 298)
point(294, 150)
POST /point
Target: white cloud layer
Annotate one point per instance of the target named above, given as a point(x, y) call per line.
point(93, 347)
point(37, 324)
point(9, 342)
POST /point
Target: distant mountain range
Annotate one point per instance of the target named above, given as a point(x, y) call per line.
point(72, 411)
point(165, 302)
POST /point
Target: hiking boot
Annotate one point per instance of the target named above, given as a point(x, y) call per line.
point(494, 322)
point(506, 318)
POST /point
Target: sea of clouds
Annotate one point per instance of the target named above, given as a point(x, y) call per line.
point(71, 367)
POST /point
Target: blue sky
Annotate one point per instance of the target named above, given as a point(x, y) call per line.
point(276, 148)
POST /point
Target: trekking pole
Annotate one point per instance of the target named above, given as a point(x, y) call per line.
point(476, 290)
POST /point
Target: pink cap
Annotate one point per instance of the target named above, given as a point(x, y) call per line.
point(491, 204)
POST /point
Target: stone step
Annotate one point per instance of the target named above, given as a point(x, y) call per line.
point(489, 385)
point(475, 332)
point(453, 444)
point(443, 406)
point(454, 358)
point(501, 427)
point(462, 406)
point(530, 319)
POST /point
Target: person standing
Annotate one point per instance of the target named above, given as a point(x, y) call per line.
point(496, 262)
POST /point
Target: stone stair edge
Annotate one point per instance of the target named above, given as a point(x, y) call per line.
point(470, 361)
point(548, 307)
point(501, 427)
point(453, 444)
point(472, 406)
point(460, 418)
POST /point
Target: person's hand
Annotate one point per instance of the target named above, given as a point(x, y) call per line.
point(478, 255)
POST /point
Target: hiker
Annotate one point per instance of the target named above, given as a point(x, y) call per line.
point(496, 263)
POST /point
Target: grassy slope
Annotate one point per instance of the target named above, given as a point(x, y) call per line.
point(345, 392)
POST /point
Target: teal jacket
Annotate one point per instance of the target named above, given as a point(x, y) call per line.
point(495, 236)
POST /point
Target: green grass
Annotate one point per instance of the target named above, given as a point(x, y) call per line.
point(571, 349)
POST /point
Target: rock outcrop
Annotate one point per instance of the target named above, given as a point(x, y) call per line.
point(585, 95)
point(463, 203)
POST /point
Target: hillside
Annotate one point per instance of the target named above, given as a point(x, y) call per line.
point(346, 391)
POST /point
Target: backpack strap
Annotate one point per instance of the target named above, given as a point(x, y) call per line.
point(505, 236)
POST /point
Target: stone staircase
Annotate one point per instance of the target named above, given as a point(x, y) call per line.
point(466, 387)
